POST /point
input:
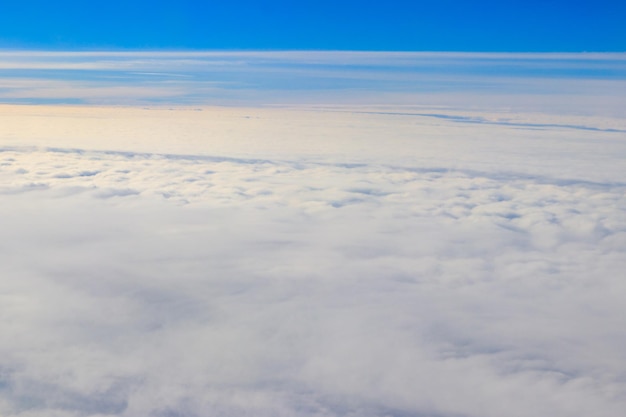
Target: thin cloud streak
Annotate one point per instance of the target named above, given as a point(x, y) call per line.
point(256, 78)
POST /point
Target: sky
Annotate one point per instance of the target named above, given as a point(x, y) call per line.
point(394, 25)
point(312, 209)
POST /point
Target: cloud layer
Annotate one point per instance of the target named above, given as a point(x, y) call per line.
point(373, 272)
point(572, 83)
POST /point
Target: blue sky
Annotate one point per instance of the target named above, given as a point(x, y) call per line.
point(393, 25)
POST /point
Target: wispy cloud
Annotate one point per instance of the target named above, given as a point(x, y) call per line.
point(275, 77)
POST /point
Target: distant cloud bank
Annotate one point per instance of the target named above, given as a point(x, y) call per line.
point(531, 82)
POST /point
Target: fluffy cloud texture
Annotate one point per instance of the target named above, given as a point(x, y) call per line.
point(345, 262)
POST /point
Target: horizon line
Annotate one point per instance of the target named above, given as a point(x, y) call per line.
point(98, 50)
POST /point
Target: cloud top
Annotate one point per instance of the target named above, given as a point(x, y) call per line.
point(283, 262)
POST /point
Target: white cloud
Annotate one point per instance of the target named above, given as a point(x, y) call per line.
point(303, 263)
